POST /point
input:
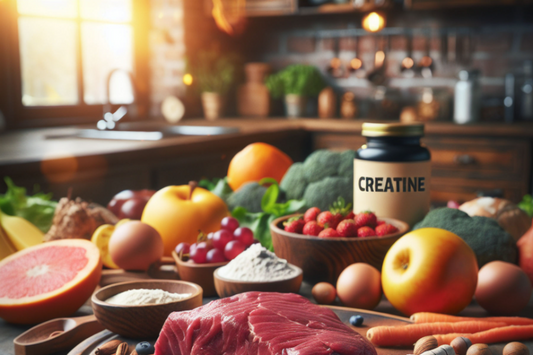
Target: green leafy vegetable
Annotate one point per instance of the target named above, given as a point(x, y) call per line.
point(219, 187)
point(38, 209)
point(259, 222)
point(527, 205)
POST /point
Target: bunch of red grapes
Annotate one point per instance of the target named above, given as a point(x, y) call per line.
point(220, 246)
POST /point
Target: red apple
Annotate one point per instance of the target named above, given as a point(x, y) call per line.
point(129, 203)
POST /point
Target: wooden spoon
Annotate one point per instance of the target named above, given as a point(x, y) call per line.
point(56, 335)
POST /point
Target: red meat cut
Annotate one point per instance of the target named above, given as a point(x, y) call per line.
point(259, 323)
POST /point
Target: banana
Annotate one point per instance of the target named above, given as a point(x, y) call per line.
point(6, 247)
point(20, 232)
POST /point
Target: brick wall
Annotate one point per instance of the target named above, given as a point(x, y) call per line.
point(180, 29)
point(494, 40)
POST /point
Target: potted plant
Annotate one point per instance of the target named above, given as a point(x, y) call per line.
point(215, 73)
point(296, 83)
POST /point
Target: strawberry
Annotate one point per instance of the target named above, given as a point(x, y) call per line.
point(328, 218)
point(340, 209)
point(328, 233)
point(350, 215)
point(365, 232)
point(312, 228)
point(347, 228)
point(385, 229)
point(311, 214)
point(294, 225)
point(380, 222)
point(366, 218)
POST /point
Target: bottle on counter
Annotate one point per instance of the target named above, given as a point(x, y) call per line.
point(327, 103)
point(392, 172)
point(467, 98)
point(253, 97)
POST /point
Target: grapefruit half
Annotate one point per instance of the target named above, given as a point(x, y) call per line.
point(48, 281)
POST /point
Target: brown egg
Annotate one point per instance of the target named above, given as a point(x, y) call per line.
point(359, 286)
point(324, 293)
point(135, 245)
point(502, 288)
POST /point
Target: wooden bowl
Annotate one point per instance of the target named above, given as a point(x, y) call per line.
point(226, 287)
point(201, 274)
point(145, 321)
point(323, 259)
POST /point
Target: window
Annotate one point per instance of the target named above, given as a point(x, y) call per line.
point(65, 52)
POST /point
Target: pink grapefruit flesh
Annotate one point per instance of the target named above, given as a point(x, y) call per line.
point(49, 280)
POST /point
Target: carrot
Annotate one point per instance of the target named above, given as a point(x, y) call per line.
point(407, 335)
point(496, 335)
point(428, 317)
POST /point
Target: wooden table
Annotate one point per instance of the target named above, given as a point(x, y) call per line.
point(8, 332)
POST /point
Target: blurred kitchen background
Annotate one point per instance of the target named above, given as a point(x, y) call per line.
point(94, 93)
point(383, 59)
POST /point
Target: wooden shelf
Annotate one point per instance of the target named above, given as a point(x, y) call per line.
point(270, 8)
point(338, 9)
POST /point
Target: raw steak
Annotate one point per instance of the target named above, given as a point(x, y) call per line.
point(259, 323)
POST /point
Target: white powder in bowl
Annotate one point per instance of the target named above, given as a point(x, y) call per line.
point(257, 264)
point(143, 296)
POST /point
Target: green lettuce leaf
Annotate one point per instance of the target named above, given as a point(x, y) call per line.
point(38, 209)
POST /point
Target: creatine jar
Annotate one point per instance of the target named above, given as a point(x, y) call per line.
point(392, 172)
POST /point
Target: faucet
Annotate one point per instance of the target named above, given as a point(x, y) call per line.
point(110, 118)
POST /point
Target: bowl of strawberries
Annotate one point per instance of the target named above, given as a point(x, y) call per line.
point(324, 243)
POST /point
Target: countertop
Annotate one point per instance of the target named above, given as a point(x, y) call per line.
point(8, 332)
point(36, 145)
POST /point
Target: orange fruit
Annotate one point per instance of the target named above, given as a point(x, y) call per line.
point(48, 280)
point(255, 162)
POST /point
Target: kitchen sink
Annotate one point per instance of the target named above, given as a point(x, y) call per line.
point(149, 131)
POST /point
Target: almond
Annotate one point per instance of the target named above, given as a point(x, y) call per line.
point(108, 348)
point(122, 349)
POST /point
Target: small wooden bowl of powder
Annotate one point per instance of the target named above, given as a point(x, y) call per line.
point(257, 269)
point(138, 309)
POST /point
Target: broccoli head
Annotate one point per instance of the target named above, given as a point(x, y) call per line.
point(248, 196)
point(323, 193)
point(346, 163)
point(321, 179)
point(321, 164)
point(294, 182)
point(484, 235)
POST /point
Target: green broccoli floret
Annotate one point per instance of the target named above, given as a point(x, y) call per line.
point(321, 164)
point(321, 179)
point(346, 163)
point(323, 193)
point(248, 196)
point(294, 182)
point(484, 235)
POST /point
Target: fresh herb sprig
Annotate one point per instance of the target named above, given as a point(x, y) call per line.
point(259, 223)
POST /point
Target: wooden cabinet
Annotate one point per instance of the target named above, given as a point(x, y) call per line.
point(462, 167)
point(439, 4)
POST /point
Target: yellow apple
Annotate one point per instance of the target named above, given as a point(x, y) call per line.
point(179, 216)
point(429, 270)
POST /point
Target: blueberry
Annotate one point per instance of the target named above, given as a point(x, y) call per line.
point(144, 348)
point(356, 321)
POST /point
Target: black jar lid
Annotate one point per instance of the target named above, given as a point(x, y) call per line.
point(392, 129)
